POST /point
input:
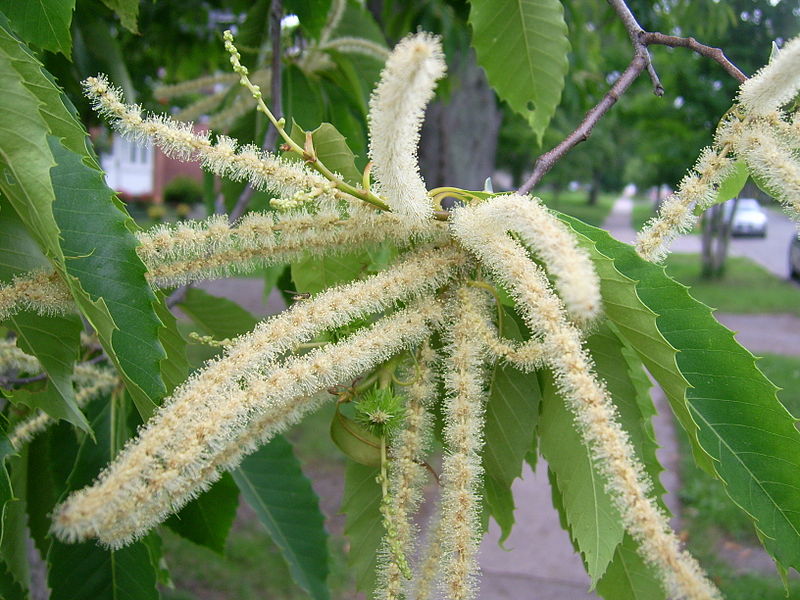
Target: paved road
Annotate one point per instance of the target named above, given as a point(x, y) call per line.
point(771, 252)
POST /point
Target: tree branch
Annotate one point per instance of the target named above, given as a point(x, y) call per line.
point(635, 32)
point(650, 38)
point(546, 161)
point(640, 39)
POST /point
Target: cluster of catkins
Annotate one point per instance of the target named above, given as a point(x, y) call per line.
point(265, 381)
point(757, 132)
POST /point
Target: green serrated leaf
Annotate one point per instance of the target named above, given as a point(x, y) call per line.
point(512, 412)
point(175, 366)
point(593, 520)
point(741, 424)
point(6, 489)
point(274, 486)
point(107, 276)
point(730, 186)
point(13, 549)
point(86, 571)
point(43, 23)
point(55, 342)
point(523, 46)
point(636, 322)
point(363, 522)
point(499, 503)
point(127, 11)
point(302, 100)
point(206, 520)
point(10, 588)
point(628, 577)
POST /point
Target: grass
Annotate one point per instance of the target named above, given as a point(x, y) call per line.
point(575, 204)
point(746, 287)
point(711, 516)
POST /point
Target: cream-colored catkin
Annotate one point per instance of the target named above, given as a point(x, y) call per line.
point(41, 291)
point(91, 382)
point(407, 473)
point(396, 110)
point(423, 586)
point(595, 416)
point(193, 86)
point(698, 189)
point(12, 359)
point(550, 241)
point(771, 158)
point(775, 84)
point(223, 157)
point(177, 456)
point(463, 437)
point(527, 355)
point(212, 248)
point(352, 45)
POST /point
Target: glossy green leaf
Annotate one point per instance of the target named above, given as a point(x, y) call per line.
point(628, 577)
point(636, 323)
point(175, 365)
point(13, 549)
point(43, 23)
point(302, 100)
point(86, 571)
point(273, 484)
point(6, 489)
point(26, 159)
point(313, 274)
point(218, 317)
point(591, 517)
point(512, 412)
point(100, 252)
point(127, 11)
point(10, 588)
point(523, 46)
point(741, 424)
point(207, 519)
point(363, 522)
point(593, 521)
point(332, 149)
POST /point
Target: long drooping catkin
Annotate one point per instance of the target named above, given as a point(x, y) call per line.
point(595, 416)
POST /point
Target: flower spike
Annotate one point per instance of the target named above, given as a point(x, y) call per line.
point(396, 110)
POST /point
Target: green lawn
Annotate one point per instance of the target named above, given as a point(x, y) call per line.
point(746, 287)
point(711, 517)
point(576, 205)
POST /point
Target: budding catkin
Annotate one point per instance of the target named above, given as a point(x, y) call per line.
point(463, 436)
point(407, 474)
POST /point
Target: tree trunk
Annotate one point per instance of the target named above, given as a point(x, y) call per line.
point(459, 135)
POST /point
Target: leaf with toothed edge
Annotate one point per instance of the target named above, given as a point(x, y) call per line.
point(739, 422)
point(522, 45)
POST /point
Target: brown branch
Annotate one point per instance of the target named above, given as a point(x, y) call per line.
point(650, 38)
point(640, 39)
point(546, 161)
point(640, 48)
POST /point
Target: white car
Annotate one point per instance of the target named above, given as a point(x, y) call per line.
point(749, 218)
